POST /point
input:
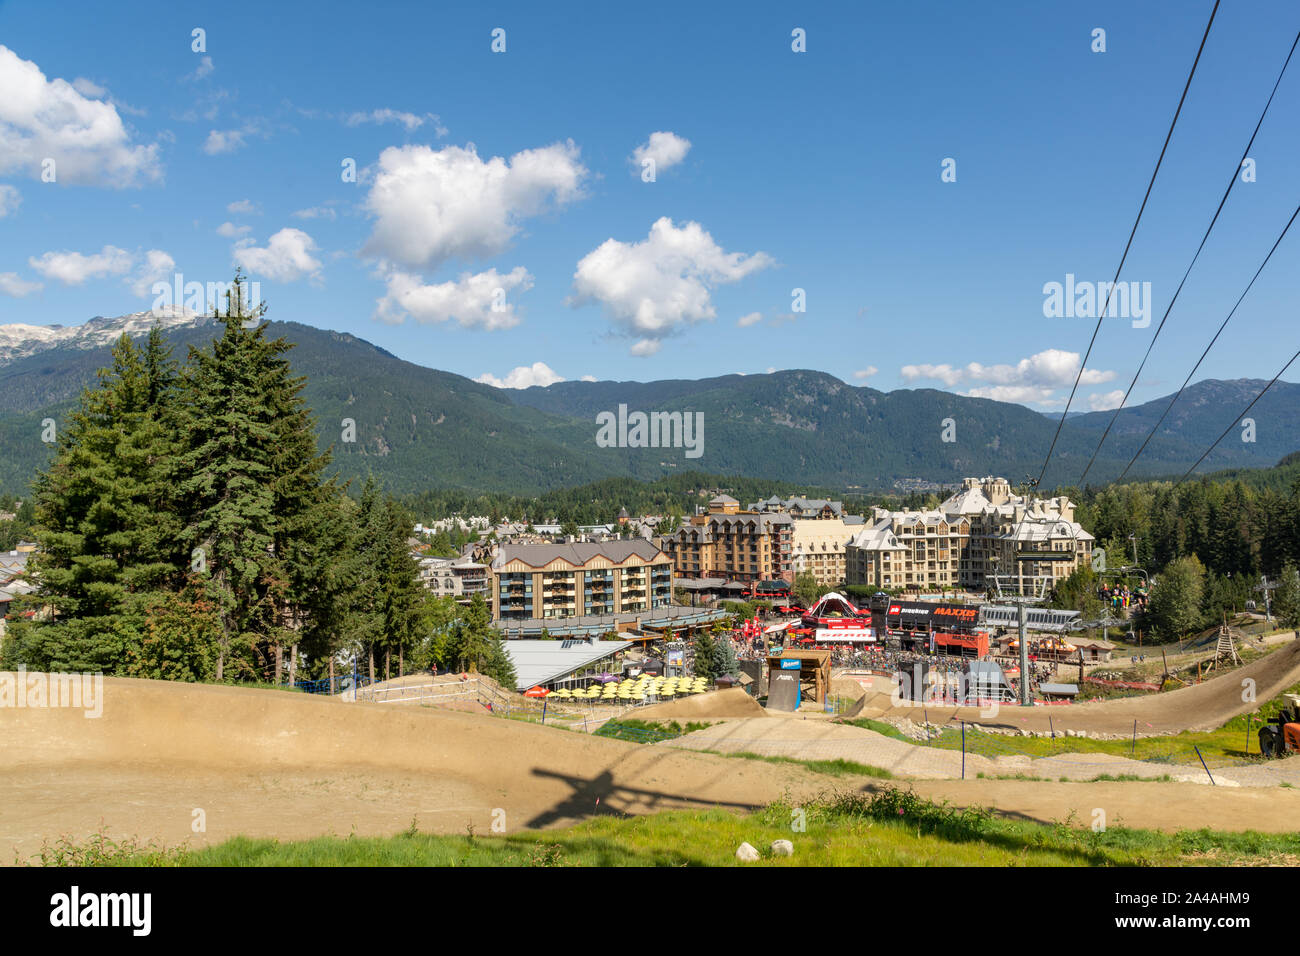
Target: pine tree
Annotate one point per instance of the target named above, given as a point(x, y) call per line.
point(104, 510)
point(706, 655)
point(399, 582)
point(249, 480)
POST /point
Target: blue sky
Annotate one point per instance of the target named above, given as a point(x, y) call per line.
point(817, 170)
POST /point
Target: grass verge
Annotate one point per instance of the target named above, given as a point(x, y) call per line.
point(888, 827)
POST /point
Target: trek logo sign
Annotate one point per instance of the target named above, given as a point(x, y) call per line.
point(75, 909)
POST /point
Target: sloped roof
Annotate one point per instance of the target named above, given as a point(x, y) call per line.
point(540, 662)
point(576, 553)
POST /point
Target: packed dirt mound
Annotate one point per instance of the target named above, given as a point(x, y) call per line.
point(1205, 706)
point(733, 702)
point(268, 764)
point(847, 687)
point(274, 764)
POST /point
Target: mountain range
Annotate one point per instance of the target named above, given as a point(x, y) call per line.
point(419, 428)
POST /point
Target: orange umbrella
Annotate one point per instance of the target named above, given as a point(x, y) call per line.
point(538, 691)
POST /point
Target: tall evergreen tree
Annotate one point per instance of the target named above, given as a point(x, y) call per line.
point(249, 479)
point(104, 512)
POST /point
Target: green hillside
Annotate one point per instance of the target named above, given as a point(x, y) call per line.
point(419, 428)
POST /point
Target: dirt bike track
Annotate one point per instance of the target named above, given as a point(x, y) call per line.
point(269, 764)
point(1205, 706)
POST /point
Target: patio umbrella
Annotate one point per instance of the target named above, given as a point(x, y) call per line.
point(538, 691)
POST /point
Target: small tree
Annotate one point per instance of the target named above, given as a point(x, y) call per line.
point(724, 658)
point(1175, 605)
point(706, 655)
point(1286, 599)
point(806, 588)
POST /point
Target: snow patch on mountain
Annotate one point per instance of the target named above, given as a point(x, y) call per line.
point(18, 341)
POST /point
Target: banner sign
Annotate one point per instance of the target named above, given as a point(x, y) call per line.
point(857, 635)
point(922, 612)
point(788, 664)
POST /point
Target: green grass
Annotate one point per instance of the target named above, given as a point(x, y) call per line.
point(890, 827)
point(1218, 747)
point(834, 768)
point(647, 731)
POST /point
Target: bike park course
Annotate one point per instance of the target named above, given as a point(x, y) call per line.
point(265, 763)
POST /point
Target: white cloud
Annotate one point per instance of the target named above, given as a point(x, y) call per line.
point(231, 231)
point(316, 212)
point(224, 141)
point(12, 284)
point(157, 265)
point(1105, 401)
point(945, 373)
point(286, 257)
point(1023, 394)
point(752, 318)
point(242, 207)
point(50, 119)
point(10, 200)
point(89, 88)
point(665, 148)
point(525, 376)
point(409, 120)
point(864, 373)
point(434, 205)
point(1051, 367)
point(587, 378)
point(204, 68)
point(1034, 379)
point(73, 268)
point(474, 301)
point(654, 287)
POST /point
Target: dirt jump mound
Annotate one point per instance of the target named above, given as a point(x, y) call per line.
point(266, 763)
point(733, 702)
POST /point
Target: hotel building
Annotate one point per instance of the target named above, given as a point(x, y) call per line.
point(729, 543)
point(580, 579)
point(976, 533)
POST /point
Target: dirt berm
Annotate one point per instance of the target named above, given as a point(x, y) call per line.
point(1205, 706)
point(733, 702)
point(180, 762)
